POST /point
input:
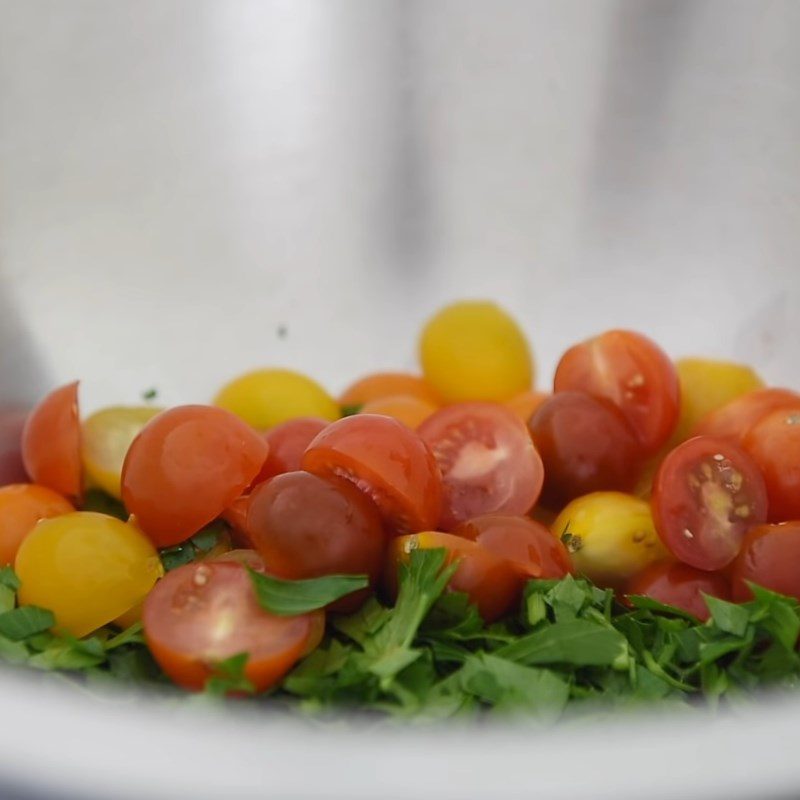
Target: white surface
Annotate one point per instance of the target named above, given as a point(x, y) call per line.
point(177, 179)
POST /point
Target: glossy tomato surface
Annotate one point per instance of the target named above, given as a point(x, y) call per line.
point(379, 385)
point(525, 403)
point(769, 557)
point(530, 545)
point(774, 444)
point(51, 442)
point(201, 614)
point(706, 495)
point(586, 446)
point(287, 442)
point(304, 526)
point(405, 408)
point(735, 419)
point(634, 374)
point(488, 462)
point(680, 585)
point(185, 467)
point(386, 461)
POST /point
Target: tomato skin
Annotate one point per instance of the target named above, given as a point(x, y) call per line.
point(769, 557)
point(586, 446)
point(185, 467)
point(12, 470)
point(707, 493)
point(87, 568)
point(735, 419)
point(494, 584)
point(287, 443)
point(681, 586)
point(387, 461)
point(488, 462)
point(379, 385)
point(250, 558)
point(236, 517)
point(51, 442)
point(774, 444)
point(200, 614)
point(409, 410)
point(525, 403)
point(634, 374)
point(530, 545)
point(305, 527)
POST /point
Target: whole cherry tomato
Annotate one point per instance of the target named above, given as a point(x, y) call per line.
point(380, 385)
point(287, 443)
point(769, 557)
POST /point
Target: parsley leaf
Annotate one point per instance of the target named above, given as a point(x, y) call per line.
point(23, 623)
point(289, 598)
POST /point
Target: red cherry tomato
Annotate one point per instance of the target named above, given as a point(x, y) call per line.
point(494, 584)
point(488, 462)
point(531, 546)
point(735, 419)
point(681, 586)
point(769, 557)
point(244, 556)
point(774, 444)
point(236, 517)
point(203, 613)
point(633, 373)
point(586, 446)
point(287, 443)
point(12, 470)
point(185, 467)
point(706, 495)
point(51, 442)
point(305, 527)
point(387, 461)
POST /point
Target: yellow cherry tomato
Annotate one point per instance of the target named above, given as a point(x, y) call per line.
point(267, 397)
point(105, 438)
point(707, 385)
point(610, 535)
point(87, 568)
point(475, 351)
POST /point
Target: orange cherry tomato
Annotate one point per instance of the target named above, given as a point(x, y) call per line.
point(51, 442)
point(633, 373)
point(387, 461)
point(406, 408)
point(22, 505)
point(185, 467)
point(493, 583)
point(769, 558)
point(287, 443)
point(203, 613)
point(525, 403)
point(12, 422)
point(387, 384)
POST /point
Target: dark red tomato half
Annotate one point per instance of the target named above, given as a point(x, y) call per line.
point(769, 557)
point(774, 444)
point(488, 462)
point(287, 443)
point(586, 446)
point(681, 586)
point(706, 495)
point(12, 470)
point(632, 372)
point(304, 526)
point(528, 544)
point(388, 462)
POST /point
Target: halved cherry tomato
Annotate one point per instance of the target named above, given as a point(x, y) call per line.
point(680, 585)
point(769, 557)
point(186, 466)
point(525, 403)
point(250, 558)
point(87, 568)
point(633, 373)
point(530, 545)
point(707, 493)
point(387, 384)
point(51, 442)
point(487, 459)
point(586, 446)
point(305, 527)
point(409, 410)
point(12, 422)
point(493, 583)
point(201, 614)
point(774, 444)
point(387, 461)
point(287, 443)
point(735, 419)
point(22, 505)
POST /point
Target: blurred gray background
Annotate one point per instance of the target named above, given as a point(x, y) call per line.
point(179, 178)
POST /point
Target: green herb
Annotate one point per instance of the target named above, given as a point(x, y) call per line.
point(149, 394)
point(289, 598)
point(351, 410)
point(22, 623)
point(229, 677)
point(195, 548)
point(9, 579)
point(97, 500)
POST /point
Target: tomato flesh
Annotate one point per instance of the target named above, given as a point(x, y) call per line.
point(632, 372)
point(707, 493)
point(488, 462)
point(385, 460)
point(769, 557)
point(201, 614)
point(287, 442)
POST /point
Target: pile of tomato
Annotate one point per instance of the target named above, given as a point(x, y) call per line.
point(667, 479)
